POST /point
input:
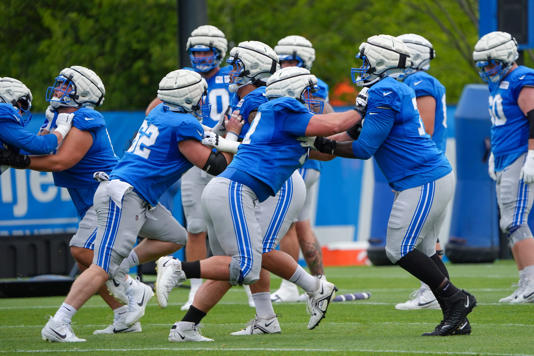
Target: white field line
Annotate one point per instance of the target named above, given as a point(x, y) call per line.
point(348, 323)
point(281, 349)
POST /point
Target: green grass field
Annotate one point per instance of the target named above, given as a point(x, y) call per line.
point(362, 327)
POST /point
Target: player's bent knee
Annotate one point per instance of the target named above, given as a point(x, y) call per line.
point(518, 233)
point(237, 277)
point(393, 255)
point(196, 226)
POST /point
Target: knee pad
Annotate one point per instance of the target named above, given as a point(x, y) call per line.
point(196, 226)
point(518, 233)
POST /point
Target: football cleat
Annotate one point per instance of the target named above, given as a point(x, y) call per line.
point(169, 275)
point(259, 326)
point(457, 306)
point(138, 296)
point(117, 288)
point(183, 331)
point(423, 298)
point(525, 293)
point(318, 302)
point(55, 331)
point(118, 328)
point(516, 292)
point(287, 293)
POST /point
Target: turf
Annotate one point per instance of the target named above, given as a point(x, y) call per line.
point(362, 327)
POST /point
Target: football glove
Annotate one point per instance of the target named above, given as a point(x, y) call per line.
point(361, 101)
point(527, 172)
point(324, 145)
point(13, 159)
point(64, 123)
point(491, 167)
point(50, 115)
point(220, 143)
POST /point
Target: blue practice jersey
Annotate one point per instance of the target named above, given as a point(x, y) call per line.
point(510, 128)
point(99, 158)
point(218, 95)
point(393, 132)
point(249, 103)
point(14, 136)
point(426, 85)
point(270, 152)
point(153, 162)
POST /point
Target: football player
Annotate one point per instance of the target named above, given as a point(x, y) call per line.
point(422, 180)
point(167, 144)
point(431, 103)
point(511, 163)
point(15, 105)
point(266, 159)
point(298, 51)
point(75, 93)
point(206, 47)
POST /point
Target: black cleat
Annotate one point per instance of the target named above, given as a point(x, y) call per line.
point(455, 321)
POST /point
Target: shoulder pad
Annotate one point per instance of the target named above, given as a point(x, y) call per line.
point(9, 113)
point(87, 119)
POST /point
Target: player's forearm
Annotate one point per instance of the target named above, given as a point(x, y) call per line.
point(50, 163)
point(333, 123)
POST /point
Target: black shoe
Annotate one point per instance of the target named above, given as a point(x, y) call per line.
point(463, 329)
point(455, 321)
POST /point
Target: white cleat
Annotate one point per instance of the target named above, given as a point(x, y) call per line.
point(512, 297)
point(117, 288)
point(259, 326)
point(170, 274)
point(55, 331)
point(423, 298)
point(183, 331)
point(117, 328)
point(526, 292)
point(318, 302)
point(138, 296)
point(287, 293)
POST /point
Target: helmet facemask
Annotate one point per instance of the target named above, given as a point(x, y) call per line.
point(292, 57)
point(495, 74)
point(62, 93)
point(307, 97)
point(362, 76)
point(238, 74)
point(204, 63)
point(202, 109)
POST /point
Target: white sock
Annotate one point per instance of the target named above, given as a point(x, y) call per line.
point(528, 272)
point(65, 313)
point(304, 280)
point(264, 307)
point(195, 285)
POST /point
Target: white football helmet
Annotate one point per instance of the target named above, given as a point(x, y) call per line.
point(76, 86)
point(296, 48)
point(253, 63)
point(294, 82)
point(183, 90)
point(382, 56)
point(421, 50)
point(498, 50)
point(14, 92)
point(206, 38)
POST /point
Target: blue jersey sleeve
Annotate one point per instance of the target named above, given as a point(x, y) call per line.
point(323, 90)
point(525, 80)
point(15, 135)
point(189, 130)
point(384, 97)
point(375, 130)
point(88, 120)
point(423, 88)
